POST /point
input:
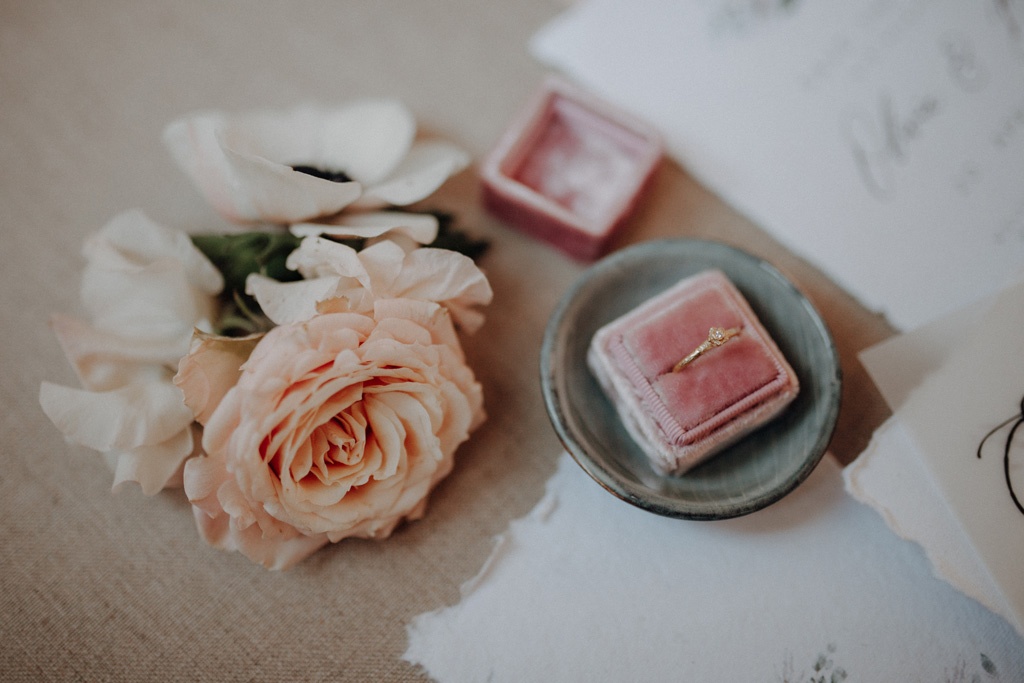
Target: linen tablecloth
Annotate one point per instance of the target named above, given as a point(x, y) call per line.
point(99, 586)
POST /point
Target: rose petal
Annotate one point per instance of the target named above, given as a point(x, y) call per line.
point(202, 477)
point(432, 317)
point(210, 369)
point(421, 172)
point(277, 546)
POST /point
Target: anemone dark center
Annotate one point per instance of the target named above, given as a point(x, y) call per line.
point(326, 174)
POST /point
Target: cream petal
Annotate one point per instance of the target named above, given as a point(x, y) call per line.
point(194, 144)
point(104, 360)
point(427, 166)
point(386, 270)
point(146, 282)
point(420, 227)
point(154, 302)
point(290, 302)
point(141, 413)
point(155, 467)
point(388, 428)
point(441, 274)
point(366, 139)
point(132, 238)
point(223, 162)
point(210, 369)
point(288, 137)
point(414, 498)
point(447, 277)
point(268, 191)
point(243, 165)
point(318, 257)
point(347, 300)
point(383, 263)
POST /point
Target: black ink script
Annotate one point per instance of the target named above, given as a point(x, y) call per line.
point(1017, 420)
point(881, 141)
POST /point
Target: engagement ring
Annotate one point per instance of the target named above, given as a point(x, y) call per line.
point(716, 337)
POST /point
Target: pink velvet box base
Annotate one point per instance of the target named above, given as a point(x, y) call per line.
point(682, 418)
point(569, 169)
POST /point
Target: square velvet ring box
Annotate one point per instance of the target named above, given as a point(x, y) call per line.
point(691, 370)
point(569, 169)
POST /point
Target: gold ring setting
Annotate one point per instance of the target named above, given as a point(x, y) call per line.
point(716, 337)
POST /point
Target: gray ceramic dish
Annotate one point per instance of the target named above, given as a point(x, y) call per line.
point(750, 475)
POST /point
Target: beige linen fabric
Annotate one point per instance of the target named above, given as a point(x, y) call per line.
point(98, 586)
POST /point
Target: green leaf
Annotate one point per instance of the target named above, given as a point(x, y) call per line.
point(239, 255)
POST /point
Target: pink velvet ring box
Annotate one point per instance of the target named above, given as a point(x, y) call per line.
point(680, 418)
point(569, 169)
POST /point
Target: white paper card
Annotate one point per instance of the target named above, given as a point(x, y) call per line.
point(979, 387)
point(588, 588)
point(890, 476)
point(884, 141)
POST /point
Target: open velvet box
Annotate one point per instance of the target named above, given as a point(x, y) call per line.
point(570, 169)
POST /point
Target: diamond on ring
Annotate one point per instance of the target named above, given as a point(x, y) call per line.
point(716, 337)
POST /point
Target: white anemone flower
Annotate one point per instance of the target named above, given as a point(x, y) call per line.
point(146, 288)
point(336, 277)
point(360, 156)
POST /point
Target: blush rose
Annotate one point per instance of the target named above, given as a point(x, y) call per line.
point(338, 426)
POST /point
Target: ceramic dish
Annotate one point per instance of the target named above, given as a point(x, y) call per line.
point(750, 475)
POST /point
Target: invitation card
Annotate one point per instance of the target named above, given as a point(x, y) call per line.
point(961, 412)
point(882, 140)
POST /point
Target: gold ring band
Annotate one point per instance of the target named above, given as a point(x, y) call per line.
point(716, 337)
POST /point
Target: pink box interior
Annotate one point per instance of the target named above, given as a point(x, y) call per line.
point(570, 170)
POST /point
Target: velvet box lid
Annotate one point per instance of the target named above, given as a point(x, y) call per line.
point(682, 417)
point(569, 169)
